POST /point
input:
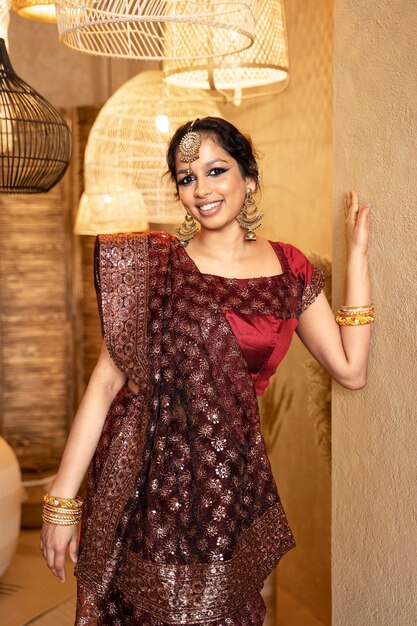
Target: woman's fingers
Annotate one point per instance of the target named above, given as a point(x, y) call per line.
point(54, 543)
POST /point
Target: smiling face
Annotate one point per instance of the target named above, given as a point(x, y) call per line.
point(215, 190)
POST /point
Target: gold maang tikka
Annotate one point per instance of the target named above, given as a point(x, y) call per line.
point(189, 146)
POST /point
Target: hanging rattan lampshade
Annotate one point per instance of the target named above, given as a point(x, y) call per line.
point(104, 221)
point(35, 141)
point(139, 29)
point(125, 157)
point(243, 74)
point(36, 10)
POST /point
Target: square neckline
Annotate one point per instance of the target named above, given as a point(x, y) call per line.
point(275, 245)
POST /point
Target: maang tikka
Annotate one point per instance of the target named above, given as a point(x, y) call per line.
point(189, 146)
point(250, 217)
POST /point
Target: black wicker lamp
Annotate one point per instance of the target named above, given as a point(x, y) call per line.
point(35, 141)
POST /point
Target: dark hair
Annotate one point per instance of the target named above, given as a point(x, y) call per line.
point(227, 137)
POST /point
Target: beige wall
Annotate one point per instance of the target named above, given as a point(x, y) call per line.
point(374, 430)
point(294, 132)
point(65, 77)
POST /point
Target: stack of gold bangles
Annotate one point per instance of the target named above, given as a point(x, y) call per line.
point(355, 315)
point(61, 511)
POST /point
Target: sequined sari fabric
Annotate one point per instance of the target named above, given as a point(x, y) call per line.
point(182, 522)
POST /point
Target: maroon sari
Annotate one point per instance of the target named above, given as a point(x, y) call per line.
point(182, 521)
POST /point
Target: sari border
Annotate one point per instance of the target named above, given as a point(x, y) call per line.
point(202, 592)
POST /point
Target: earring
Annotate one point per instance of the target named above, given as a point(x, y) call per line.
point(187, 230)
point(250, 217)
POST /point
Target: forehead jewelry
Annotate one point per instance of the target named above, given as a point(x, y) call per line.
point(189, 146)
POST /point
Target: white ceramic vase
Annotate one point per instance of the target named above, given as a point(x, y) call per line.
point(10, 499)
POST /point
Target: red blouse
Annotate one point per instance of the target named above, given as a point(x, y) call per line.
point(263, 312)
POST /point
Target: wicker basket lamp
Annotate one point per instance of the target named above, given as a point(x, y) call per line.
point(134, 29)
point(36, 10)
point(35, 141)
point(106, 218)
point(125, 154)
point(240, 75)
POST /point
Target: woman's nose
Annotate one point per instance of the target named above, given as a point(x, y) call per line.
point(202, 188)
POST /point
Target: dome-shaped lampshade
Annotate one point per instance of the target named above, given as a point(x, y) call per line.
point(99, 216)
point(35, 141)
point(125, 157)
point(36, 10)
point(243, 74)
point(152, 29)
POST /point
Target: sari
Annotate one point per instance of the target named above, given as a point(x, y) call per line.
point(182, 521)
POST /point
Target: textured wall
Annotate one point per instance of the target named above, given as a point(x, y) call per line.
point(65, 77)
point(374, 430)
point(293, 131)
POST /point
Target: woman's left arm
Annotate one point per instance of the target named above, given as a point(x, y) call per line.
point(343, 350)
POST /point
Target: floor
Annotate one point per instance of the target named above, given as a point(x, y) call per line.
point(31, 596)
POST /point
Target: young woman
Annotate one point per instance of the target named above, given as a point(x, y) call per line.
point(182, 522)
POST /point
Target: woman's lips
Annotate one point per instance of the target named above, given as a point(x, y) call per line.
point(210, 208)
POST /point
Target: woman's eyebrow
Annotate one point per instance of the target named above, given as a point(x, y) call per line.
point(208, 164)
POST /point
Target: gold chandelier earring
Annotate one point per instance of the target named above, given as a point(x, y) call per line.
point(250, 217)
point(187, 230)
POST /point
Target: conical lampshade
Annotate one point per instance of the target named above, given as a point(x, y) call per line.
point(243, 74)
point(155, 29)
point(35, 141)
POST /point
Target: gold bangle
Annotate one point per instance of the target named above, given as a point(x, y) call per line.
point(58, 522)
point(365, 306)
point(66, 503)
point(354, 320)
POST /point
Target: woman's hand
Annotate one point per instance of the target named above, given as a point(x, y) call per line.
point(357, 224)
point(54, 543)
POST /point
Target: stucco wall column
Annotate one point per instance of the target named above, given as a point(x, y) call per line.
point(374, 533)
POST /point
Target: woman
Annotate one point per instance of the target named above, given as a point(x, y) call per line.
point(182, 521)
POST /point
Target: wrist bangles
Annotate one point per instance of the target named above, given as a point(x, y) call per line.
point(61, 511)
point(355, 315)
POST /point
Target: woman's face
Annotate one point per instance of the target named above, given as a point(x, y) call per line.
point(215, 190)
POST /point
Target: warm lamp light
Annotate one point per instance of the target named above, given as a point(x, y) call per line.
point(36, 10)
point(149, 29)
point(125, 156)
point(245, 74)
point(97, 215)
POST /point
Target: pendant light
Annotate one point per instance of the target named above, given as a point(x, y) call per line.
point(36, 10)
point(245, 74)
point(153, 29)
point(125, 157)
point(35, 141)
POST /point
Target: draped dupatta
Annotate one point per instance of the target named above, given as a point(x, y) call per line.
point(182, 515)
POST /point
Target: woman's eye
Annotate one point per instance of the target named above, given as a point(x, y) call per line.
point(216, 171)
point(186, 180)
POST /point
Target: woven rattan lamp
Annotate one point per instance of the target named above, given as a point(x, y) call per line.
point(4, 18)
point(36, 10)
point(35, 142)
point(125, 154)
point(246, 73)
point(105, 219)
point(152, 29)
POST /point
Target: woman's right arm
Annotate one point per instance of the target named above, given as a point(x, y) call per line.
point(105, 382)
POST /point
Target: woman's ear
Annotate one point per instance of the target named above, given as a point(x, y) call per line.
point(251, 184)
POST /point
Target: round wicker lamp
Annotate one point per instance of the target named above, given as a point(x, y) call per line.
point(35, 141)
point(240, 75)
point(125, 154)
point(105, 218)
point(151, 29)
point(36, 10)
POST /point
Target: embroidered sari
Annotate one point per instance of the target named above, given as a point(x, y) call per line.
point(182, 522)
